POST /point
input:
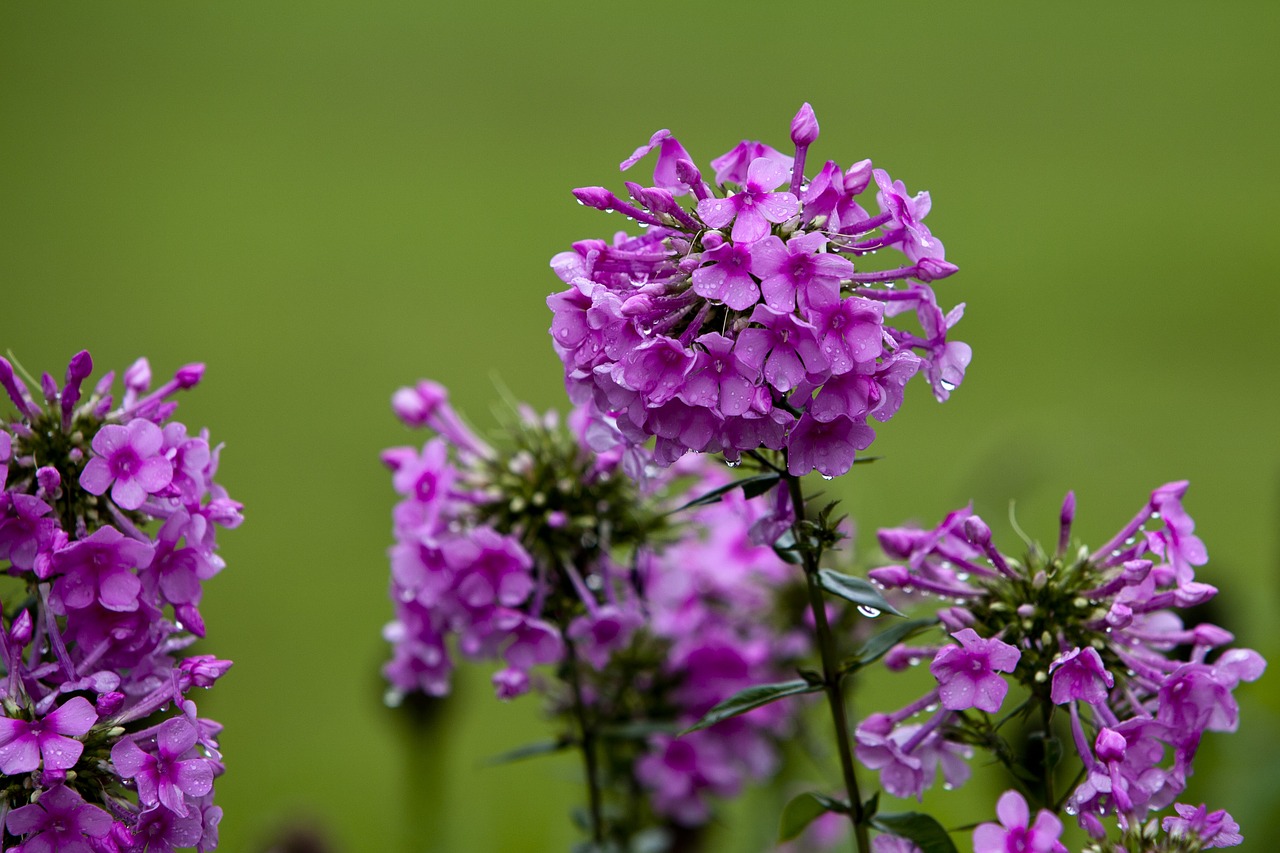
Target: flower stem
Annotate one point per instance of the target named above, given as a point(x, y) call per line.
point(830, 671)
point(586, 742)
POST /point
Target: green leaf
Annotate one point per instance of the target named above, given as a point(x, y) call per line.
point(803, 810)
point(532, 750)
point(751, 698)
point(922, 829)
point(879, 645)
point(751, 487)
point(857, 590)
point(787, 550)
point(637, 730)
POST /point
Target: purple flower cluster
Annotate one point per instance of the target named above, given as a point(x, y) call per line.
point(747, 320)
point(107, 527)
point(545, 553)
point(1091, 631)
point(708, 597)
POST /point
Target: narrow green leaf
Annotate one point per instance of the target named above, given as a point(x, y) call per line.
point(637, 730)
point(751, 487)
point(920, 828)
point(804, 809)
point(857, 590)
point(878, 646)
point(751, 698)
point(532, 750)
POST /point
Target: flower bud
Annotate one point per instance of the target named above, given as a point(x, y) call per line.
point(804, 127)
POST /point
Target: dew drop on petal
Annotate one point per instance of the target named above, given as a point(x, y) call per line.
point(869, 612)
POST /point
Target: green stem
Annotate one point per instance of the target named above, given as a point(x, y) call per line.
point(1046, 716)
point(586, 742)
point(830, 672)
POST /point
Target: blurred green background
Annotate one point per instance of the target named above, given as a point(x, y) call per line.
point(325, 200)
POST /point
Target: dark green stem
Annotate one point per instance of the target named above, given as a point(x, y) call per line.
point(830, 671)
point(586, 742)
point(1046, 716)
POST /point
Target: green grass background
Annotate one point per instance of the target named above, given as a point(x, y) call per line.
point(325, 200)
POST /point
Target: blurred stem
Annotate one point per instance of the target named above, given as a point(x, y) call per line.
point(425, 787)
point(830, 668)
point(586, 742)
point(1049, 766)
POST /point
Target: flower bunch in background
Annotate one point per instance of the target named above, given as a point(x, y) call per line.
point(540, 552)
point(752, 315)
point(107, 533)
point(1108, 671)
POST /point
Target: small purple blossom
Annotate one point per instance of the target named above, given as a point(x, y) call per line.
point(756, 206)
point(1211, 829)
point(130, 461)
point(172, 771)
point(1080, 675)
point(1015, 833)
point(59, 822)
point(51, 740)
point(967, 674)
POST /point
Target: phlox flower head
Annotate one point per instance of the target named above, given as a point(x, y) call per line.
point(108, 516)
point(755, 314)
point(1089, 630)
point(541, 551)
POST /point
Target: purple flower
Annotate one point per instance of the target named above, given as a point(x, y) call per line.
point(1015, 833)
point(967, 674)
point(59, 822)
point(130, 457)
point(733, 165)
point(827, 446)
point(172, 771)
point(1211, 829)
point(160, 830)
point(1079, 674)
point(756, 206)
point(800, 269)
point(98, 569)
point(725, 275)
point(784, 349)
point(23, 743)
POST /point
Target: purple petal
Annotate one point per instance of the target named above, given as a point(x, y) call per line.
point(176, 736)
point(110, 439)
point(128, 494)
point(195, 777)
point(60, 753)
point(21, 755)
point(96, 476)
point(119, 590)
point(155, 474)
point(1012, 810)
point(717, 212)
point(74, 718)
point(129, 759)
point(778, 207)
point(146, 437)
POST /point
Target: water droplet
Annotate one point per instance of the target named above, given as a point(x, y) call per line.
point(829, 477)
point(1130, 540)
point(947, 786)
point(869, 612)
point(1156, 516)
point(931, 707)
point(914, 662)
point(947, 386)
point(962, 576)
point(1071, 809)
point(734, 463)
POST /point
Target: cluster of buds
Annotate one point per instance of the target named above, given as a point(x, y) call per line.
point(747, 319)
point(541, 552)
point(107, 533)
point(1091, 633)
